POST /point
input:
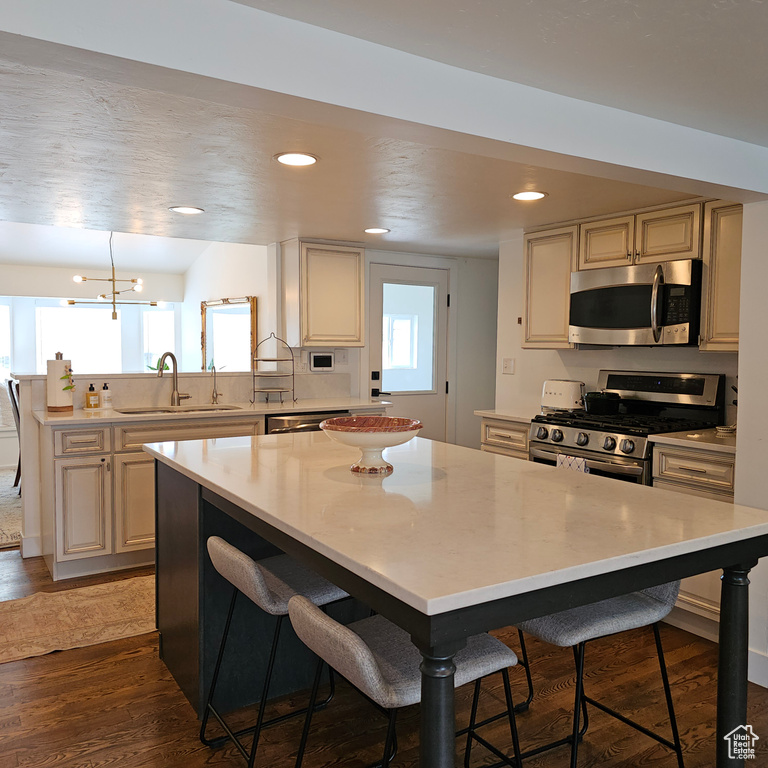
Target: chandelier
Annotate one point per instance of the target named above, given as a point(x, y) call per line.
point(136, 285)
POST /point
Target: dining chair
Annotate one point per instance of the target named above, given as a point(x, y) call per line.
point(13, 395)
point(378, 659)
point(575, 627)
point(269, 583)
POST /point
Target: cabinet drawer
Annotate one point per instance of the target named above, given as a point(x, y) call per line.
point(131, 436)
point(504, 434)
point(698, 469)
point(77, 442)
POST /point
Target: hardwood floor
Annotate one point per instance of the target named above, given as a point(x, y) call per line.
point(20, 577)
point(116, 705)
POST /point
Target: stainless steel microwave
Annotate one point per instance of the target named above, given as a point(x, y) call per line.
point(643, 305)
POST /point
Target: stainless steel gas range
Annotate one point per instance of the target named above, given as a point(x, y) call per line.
point(617, 445)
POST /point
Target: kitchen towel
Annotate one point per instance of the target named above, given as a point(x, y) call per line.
point(574, 463)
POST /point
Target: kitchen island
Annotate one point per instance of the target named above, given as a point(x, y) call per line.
point(453, 543)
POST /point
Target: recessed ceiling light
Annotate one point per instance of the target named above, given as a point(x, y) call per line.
point(188, 210)
point(529, 195)
point(295, 158)
point(376, 231)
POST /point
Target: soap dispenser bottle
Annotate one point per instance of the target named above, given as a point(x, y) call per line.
point(91, 398)
point(105, 397)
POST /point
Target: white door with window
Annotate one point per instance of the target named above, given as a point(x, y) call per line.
point(408, 332)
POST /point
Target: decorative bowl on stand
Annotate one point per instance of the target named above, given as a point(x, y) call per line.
point(371, 434)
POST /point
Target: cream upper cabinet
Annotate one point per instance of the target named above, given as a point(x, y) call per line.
point(666, 235)
point(721, 277)
point(607, 243)
point(550, 257)
point(323, 295)
point(674, 233)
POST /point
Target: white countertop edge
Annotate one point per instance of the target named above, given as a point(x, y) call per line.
point(438, 605)
point(701, 439)
point(490, 414)
point(106, 416)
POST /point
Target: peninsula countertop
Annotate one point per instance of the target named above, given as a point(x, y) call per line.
point(453, 527)
point(110, 415)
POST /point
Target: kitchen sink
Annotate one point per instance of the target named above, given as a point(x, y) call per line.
point(177, 409)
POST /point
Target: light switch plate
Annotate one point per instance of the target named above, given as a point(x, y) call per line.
point(508, 365)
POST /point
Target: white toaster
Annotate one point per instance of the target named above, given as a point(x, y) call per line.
point(562, 395)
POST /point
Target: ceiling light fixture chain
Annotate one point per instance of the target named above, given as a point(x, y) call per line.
point(137, 285)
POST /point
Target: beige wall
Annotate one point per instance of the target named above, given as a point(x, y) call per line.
point(223, 271)
point(752, 435)
point(56, 282)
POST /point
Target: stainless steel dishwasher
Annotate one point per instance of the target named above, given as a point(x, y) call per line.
point(299, 422)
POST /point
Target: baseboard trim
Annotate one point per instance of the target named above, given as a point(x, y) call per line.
point(31, 546)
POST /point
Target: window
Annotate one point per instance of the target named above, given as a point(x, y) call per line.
point(85, 335)
point(5, 342)
point(159, 335)
point(407, 341)
point(400, 341)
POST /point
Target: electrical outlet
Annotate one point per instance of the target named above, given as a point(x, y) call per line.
point(300, 363)
point(508, 365)
point(341, 356)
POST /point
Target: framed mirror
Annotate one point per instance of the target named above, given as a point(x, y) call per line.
point(229, 333)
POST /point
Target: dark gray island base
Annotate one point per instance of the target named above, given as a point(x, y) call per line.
point(192, 601)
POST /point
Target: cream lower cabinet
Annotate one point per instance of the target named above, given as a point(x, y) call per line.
point(83, 493)
point(505, 436)
point(550, 257)
point(134, 502)
point(706, 474)
point(98, 509)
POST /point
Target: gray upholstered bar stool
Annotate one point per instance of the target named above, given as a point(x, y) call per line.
point(270, 584)
point(379, 659)
point(575, 627)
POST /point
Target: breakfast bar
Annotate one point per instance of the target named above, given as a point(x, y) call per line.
point(454, 542)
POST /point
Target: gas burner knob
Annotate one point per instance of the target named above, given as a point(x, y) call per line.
point(541, 433)
point(557, 436)
point(627, 446)
point(609, 444)
point(582, 438)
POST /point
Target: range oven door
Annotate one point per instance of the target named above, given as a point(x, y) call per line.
point(644, 305)
point(620, 468)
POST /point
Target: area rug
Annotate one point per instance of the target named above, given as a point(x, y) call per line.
point(57, 621)
point(10, 510)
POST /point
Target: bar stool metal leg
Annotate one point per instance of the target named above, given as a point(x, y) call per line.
point(668, 695)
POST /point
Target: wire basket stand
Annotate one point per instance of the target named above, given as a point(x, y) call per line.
point(278, 381)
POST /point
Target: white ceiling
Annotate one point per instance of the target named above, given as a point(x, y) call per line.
point(37, 245)
point(88, 150)
point(699, 63)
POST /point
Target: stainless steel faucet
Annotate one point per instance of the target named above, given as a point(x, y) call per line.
point(176, 396)
point(214, 391)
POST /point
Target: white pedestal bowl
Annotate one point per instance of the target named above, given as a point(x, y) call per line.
point(371, 434)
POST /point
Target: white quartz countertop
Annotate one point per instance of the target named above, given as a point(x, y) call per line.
point(452, 526)
point(501, 416)
point(704, 439)
point(108, 416)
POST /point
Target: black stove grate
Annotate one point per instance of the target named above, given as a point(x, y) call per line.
point(630, 424)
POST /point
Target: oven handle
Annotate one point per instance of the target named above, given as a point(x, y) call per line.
point(658, 280)
point(605, 466)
